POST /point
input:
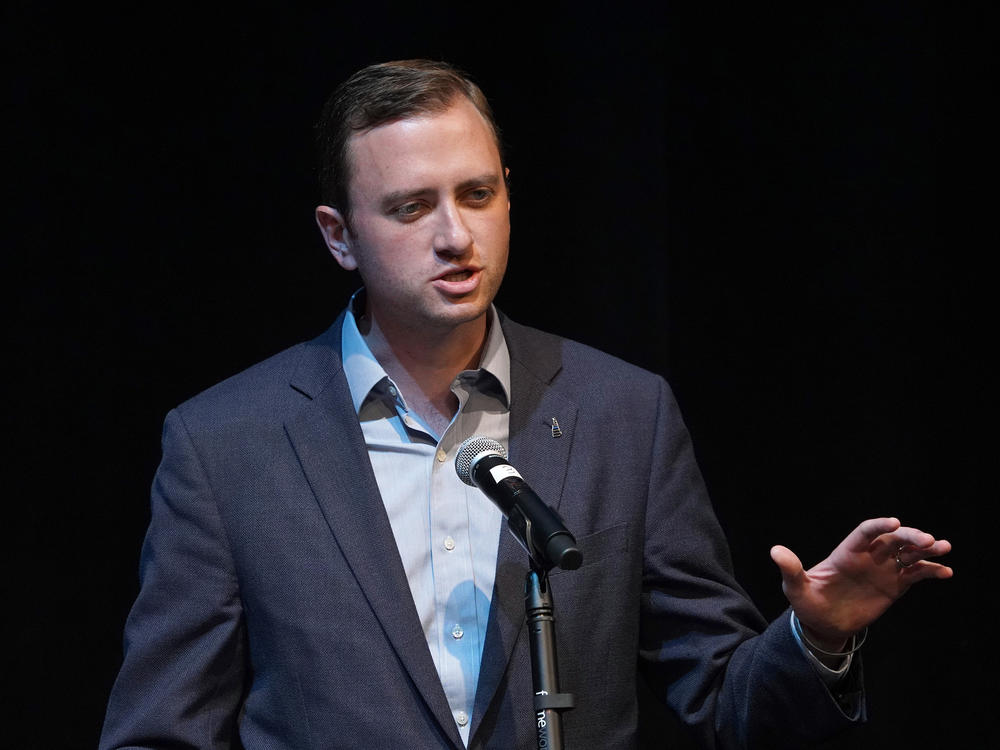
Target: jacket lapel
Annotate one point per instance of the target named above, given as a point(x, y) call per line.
point(542, 460)
point(328, 441)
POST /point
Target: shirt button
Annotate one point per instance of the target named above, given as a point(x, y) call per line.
point(449, 543)
point(441, 455)
point(457, 632)
point(462, 718)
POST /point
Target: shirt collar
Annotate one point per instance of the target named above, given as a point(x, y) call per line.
point(365, 374)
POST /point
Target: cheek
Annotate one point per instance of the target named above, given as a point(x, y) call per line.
point(399, 241)
point(494, 228)
point(379, 246)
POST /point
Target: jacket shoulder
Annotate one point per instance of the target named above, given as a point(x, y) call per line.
point(271, 388)
point(575, 366)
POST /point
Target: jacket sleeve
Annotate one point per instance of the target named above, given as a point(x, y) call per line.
point(184, 668)
point(705, 649)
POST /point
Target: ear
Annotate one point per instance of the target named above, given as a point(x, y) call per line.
point(506, 179)
point(337, 236)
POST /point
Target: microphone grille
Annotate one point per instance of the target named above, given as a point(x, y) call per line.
point(471, 450)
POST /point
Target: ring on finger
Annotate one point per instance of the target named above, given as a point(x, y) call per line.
point(899, 561)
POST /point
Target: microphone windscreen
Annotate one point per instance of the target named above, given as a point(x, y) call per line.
point(471, 450)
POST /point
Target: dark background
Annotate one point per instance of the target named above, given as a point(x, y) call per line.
point(755, 203)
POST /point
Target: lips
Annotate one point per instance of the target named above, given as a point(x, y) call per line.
point(457, 276)
point(459, 281)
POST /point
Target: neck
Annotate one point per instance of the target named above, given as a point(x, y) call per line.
point(424, 363)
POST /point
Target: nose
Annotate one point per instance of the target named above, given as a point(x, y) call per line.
point(452, 235)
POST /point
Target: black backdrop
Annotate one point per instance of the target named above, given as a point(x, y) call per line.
point(749, 202)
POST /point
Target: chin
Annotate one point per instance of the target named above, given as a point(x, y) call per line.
point(462, 312)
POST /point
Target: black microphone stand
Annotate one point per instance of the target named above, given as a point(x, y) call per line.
point(482, 462)
point(549, 702)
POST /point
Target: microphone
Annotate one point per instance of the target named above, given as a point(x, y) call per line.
point(482, 462)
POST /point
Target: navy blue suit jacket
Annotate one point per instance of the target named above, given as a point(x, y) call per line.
point(274, 611)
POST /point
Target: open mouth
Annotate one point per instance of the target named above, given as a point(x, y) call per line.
point(457, 276)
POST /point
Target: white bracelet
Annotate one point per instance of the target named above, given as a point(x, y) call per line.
point(855, 643)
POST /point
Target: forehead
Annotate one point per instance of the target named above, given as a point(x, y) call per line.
point(424, 152)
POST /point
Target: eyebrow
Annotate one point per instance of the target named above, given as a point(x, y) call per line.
point(391, 200)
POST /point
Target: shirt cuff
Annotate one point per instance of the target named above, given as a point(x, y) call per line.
point(829, 676)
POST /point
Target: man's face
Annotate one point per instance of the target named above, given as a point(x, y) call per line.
point(430, 219)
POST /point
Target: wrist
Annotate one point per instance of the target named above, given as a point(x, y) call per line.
point(829, 651)
point(822, 642)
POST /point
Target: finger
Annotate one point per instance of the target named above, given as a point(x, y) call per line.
point(923, 570)
point(792, 573)
point(870, 530)
point(908, 554)
point(940, 547)
point(906, 536)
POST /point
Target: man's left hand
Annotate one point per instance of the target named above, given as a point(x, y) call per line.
point(861, 578)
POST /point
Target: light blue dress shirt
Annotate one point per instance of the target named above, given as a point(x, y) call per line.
point(447, 532)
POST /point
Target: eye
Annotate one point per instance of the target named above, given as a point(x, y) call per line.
point(479, 196)
point(408, 210)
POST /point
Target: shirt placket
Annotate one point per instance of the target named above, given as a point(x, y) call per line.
point(454, 580)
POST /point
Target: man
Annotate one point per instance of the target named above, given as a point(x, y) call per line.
point(315, 574)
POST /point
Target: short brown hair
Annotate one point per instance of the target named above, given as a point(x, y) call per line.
point(379, 94)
